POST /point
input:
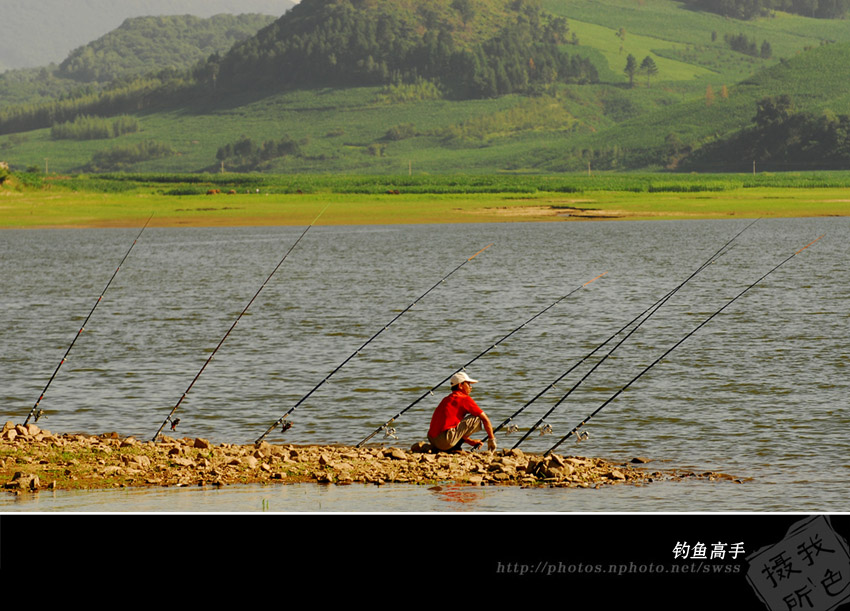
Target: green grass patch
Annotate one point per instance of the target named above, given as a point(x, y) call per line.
point(616, 50)
point(181, 200)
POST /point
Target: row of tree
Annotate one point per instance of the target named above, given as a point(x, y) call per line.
point(245, 154)
point(85, 127)
point(742, 44)
point(122, 98)
point(647, 68)
point(121, 157)
point(780, 138)
point(750, 9)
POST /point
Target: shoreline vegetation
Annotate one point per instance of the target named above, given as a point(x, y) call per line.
point(33, 460)
point(220, 200)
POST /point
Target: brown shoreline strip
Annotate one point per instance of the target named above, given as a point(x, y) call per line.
point(33, 459)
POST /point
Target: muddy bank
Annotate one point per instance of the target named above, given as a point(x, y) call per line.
point(33, 459)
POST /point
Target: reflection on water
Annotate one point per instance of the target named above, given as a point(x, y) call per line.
point(758, 393)
point(665, 496)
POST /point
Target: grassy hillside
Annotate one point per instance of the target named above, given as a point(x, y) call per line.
point(814, 80)
point(412, 127)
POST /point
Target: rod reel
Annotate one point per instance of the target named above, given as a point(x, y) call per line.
point(389, 432)
point(38, 414)
point(174, 422)
point(581, 436)
point(510, 427)
point(546, 429)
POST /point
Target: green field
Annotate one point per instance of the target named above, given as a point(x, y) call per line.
point(228, 200)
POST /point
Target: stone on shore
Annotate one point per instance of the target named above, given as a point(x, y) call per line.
point(30, 456)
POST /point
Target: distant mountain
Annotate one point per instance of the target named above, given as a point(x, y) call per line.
point(150, 44)
point(39, 33)
point(140, 46)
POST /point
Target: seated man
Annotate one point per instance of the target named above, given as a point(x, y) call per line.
point(457, 417)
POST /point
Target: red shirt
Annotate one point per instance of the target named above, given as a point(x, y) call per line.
point(451, 411)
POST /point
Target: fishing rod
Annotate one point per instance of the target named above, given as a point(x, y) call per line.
point(575, 430)
point(35, 411)
point(651, 309)
point(386, 426)
point(288, 425)
point(176, 421)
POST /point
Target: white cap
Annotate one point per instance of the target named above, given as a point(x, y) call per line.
point(461, 376)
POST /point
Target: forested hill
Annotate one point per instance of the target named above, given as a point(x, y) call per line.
point(471, 48)
point(142, 43)
point(141, 46)
point(44, 32)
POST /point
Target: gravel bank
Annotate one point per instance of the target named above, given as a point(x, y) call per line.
point(33, 459)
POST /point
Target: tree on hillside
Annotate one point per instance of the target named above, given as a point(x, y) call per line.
point(773, 110)
point(675, 150)
point(780, 139)
point(464, 7)
point(556, 30)
point(709, 95)
point(742, 44)
point(631, 69)
point(648, 67)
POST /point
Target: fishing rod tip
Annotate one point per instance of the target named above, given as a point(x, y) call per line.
point(809, 244)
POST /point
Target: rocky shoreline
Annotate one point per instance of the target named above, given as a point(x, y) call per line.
point(32, 459)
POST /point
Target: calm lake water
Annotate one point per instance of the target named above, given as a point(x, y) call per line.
point(760, 392)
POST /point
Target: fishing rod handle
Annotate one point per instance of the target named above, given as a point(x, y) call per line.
point(368, 437)
point(565, 437)
point(375, 432)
